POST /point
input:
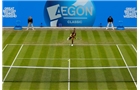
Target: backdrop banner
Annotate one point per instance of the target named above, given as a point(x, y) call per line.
point(69, 13)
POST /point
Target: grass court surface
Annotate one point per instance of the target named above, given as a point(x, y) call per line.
point(44, 60)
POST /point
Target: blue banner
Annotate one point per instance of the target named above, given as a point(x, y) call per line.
point(67, 13)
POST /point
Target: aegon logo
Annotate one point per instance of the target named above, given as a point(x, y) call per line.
point(68, 11)
point(72, 11)
point(76, 14)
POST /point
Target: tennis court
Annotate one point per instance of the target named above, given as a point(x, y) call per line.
point(44, 60)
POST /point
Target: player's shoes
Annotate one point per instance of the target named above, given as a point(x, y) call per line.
point(68, 38)
point(71, 44)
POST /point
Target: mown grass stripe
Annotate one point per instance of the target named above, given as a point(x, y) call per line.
point(8, 38)
point(35, 86)
point(84, 36)
point(37, 72)
point(28, 38)
point(115, 73)
point(101, 73)
point(21, 37)
point(127, 38)
point(57, 74)
point(54, 37)
point(36, 36)
point(60, 36)
point(110, 54)
point(5, 78)
point(115, 37)
point(8, 55)
point(4, 71)
point(126, 64)
point(27, 53)
point(132, 37)
point(109, 72)
point(46, 74)
point(51, 54)
point(76, 50)
point(17, 37)
point(49, 75)
point(97, 37)
point(41, 36)
point(83, 75)
point(28, 73)
point(43, 53)
point(134, 32)
point(74, 73)
point(65, 74)
point(102, 53)
point(5, 34)
point(48, 36)
point(91, 38)
point(47, 51)
point(93, 49)
point(121, 37)
point(66, 49)
point(107, 77)
point(13, 85)
point(103, 37)
point(43, 50)
point(108, 37)
point(87, 54)
point(63, 52)
point(129, 54)
point(116, 54)
point(17, 74)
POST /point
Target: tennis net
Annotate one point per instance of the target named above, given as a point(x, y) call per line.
point(72, 74)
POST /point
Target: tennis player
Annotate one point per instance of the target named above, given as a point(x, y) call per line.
point(72, 37)
point(30, 23)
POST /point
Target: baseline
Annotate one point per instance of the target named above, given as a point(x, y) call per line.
point(70, 44)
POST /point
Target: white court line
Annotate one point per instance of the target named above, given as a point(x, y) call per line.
point(70, 44)
point(127, 66)
point(133, 47)
point(69, 74)
point(68, 68)
point(12, 63)
point(5, 47)
point(71, 58)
